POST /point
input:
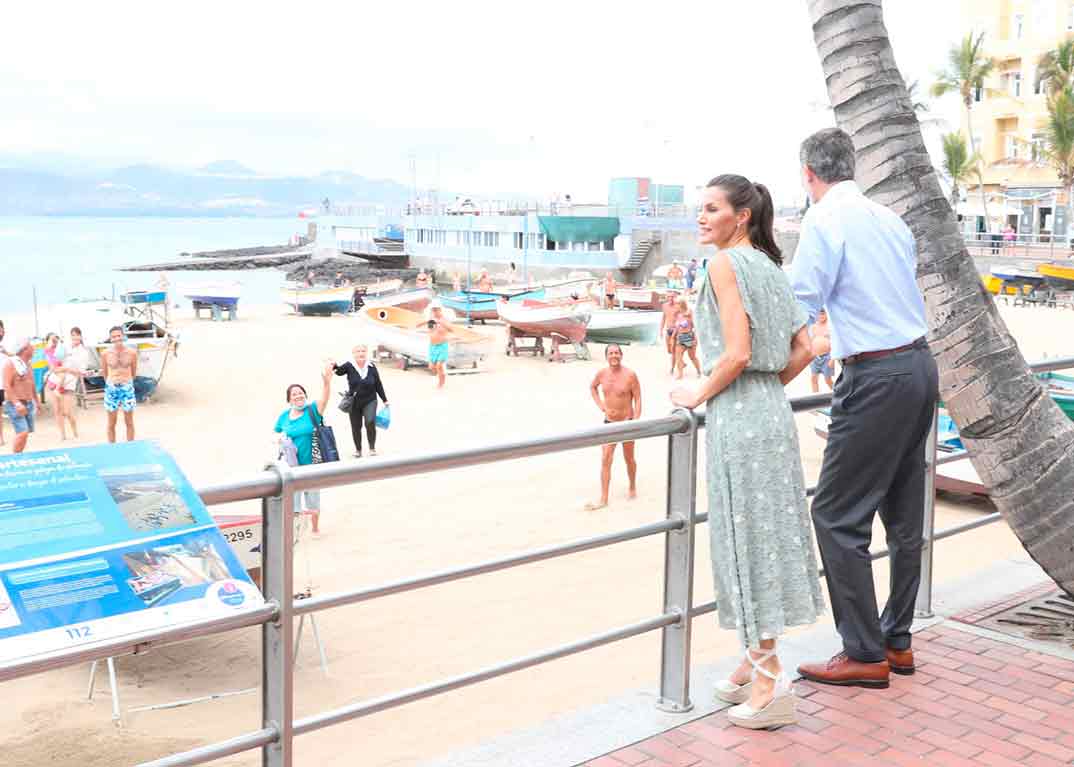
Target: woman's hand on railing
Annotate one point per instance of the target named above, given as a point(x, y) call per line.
point(684, 397)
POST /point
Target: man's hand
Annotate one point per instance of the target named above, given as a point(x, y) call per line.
point(20, 408)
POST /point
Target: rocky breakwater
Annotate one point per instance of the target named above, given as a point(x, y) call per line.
point(261, 257)
point(358, 271)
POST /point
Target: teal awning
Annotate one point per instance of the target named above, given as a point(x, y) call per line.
point(579, 228)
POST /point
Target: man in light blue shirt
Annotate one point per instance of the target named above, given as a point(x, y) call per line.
point(857, 259)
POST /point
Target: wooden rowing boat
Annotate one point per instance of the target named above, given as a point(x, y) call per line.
point(1057, 275)
point(567, 319)
point(406, 333)
point(318, 301)
point(623, 326)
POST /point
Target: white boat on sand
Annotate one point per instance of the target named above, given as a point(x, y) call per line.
point(623, 326)
point(406, 333)
point(414, 299)
point(567, 319)
point(155, 344)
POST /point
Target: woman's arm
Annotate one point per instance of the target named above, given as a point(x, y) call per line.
point(802, 353)
point(341, 370)
point(736, 336)
point(326, 391)
point(380, 387)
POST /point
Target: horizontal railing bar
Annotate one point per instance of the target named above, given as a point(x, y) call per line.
point(229, 747)
point(705, 609)
point(134, 643)
point(947, 532)
point(362, 595)
point(354, 711)
point(951, 457)
point(1049, 365)
point(265, 484)
point(963, 527)
point(324, 475)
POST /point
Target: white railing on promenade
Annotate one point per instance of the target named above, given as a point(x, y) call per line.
point(1028, 246)
point(276, 488)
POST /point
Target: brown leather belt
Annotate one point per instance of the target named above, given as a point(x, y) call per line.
point(863, 356)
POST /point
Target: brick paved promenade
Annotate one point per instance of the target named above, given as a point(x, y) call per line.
point(973, 701)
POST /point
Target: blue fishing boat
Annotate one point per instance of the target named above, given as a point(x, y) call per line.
point(477, 305)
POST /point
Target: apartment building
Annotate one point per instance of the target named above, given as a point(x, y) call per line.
point(1009, 112)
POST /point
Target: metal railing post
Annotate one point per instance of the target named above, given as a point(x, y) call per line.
point(923, 604)
point(679, 571)
point(277, 637)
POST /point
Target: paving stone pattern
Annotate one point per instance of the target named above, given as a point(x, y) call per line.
point(973, 701)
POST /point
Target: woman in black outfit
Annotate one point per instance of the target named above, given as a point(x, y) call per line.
point(363, 384)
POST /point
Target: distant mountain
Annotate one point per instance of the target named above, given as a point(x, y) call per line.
point(226, 168)
point(222, 188)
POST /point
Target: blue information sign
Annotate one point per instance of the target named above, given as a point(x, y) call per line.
point(100, 541)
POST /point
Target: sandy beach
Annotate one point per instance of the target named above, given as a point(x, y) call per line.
point(214, 412)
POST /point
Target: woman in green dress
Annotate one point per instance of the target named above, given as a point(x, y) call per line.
point(753, 340)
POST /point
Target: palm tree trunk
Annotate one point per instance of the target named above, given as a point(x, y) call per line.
point(1018, 439)
point(980, 177)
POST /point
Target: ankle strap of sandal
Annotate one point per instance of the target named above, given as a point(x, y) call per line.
point(757, 661)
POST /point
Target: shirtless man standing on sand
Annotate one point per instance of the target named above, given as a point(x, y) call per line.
point(119, 365)
point(622, 402)
point(439, 330)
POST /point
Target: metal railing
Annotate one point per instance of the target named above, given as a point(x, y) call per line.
point(1041, 247)
point(276, 488)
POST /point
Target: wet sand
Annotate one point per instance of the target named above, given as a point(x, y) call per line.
point(215, 411)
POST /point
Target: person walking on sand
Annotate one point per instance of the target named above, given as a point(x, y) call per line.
point(60, 386)
point(822, 364)
point(609, 291)
point(675, 276)
point(685, 339)
point(297, 425)
point(753, 340)
point(439, 330)
point(119, 366)
point(19, 396)
point(670, 309)
point(363, 387)
point(857, 259)
point(621, 401)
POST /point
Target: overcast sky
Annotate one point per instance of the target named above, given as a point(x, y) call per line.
point(537, 97)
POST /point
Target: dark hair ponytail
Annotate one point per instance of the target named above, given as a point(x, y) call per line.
point(743, 193)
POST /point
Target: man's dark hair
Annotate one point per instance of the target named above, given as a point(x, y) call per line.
point(114, 328)
point(608, 348)
point(830, 154)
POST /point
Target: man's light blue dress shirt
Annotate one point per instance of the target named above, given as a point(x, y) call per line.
point(857, 259)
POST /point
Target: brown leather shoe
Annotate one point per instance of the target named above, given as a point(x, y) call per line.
point(844, 670)
point(900, 661)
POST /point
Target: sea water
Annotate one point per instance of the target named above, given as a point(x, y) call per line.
point(66, 258)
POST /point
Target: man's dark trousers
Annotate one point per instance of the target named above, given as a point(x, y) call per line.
point(874, 461)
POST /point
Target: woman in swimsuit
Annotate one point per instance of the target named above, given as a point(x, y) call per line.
point(685, 340)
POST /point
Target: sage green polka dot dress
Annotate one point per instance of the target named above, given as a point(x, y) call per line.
point(761, 535)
